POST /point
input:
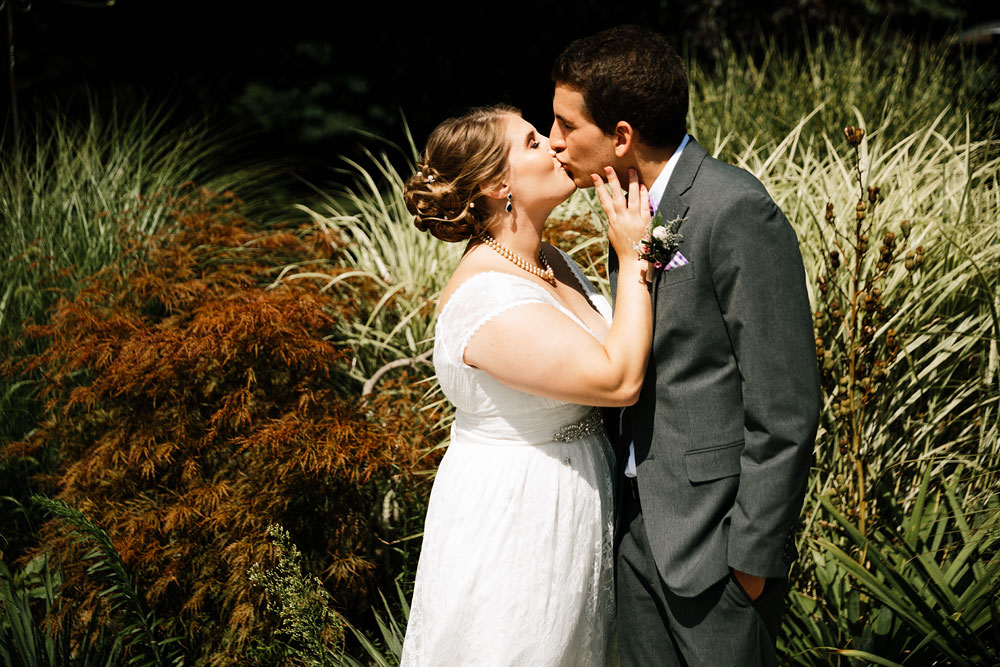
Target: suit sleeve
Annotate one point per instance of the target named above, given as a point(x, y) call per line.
point(759, 280)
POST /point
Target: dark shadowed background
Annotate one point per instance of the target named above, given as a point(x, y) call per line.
point(309, 78)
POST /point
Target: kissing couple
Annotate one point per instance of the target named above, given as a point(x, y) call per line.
point(623, 482)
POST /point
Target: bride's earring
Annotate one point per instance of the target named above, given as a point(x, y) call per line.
point(509, 207)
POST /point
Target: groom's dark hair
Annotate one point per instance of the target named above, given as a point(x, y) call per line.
point(628, 73)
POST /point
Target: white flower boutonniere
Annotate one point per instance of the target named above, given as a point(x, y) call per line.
point(659, 248)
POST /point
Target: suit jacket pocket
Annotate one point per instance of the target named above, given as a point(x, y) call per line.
point(705, 465)
point(676, 275)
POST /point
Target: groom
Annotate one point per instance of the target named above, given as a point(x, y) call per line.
point(715, 455)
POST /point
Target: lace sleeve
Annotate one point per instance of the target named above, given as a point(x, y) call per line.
point(598, 299)
point(477, 301)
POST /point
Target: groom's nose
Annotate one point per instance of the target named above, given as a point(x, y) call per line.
point(556, 140)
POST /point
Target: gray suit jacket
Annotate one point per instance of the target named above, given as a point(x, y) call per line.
point(725, 425)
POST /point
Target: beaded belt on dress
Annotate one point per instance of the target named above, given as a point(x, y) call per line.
point(589, 425)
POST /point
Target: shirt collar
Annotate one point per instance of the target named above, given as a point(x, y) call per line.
point(660, 184)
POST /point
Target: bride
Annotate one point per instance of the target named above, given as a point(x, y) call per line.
point(516, 562)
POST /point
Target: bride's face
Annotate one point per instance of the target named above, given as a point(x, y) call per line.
point(534, 174)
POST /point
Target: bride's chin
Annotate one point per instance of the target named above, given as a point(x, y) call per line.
point(566, 195)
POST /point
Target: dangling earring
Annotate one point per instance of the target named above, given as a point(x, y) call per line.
point(509, 207)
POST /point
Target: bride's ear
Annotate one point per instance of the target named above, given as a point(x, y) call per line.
point(625, 138)
point(498, 191)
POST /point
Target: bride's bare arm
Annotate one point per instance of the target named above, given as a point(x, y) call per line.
point(538, 349)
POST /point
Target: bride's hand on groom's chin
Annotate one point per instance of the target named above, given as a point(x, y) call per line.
point(751, 583)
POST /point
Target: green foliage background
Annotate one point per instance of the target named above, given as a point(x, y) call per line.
point(914, 583)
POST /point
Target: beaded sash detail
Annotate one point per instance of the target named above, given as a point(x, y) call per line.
point(589, 425)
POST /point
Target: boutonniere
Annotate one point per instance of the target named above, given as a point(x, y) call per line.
point(660, 247)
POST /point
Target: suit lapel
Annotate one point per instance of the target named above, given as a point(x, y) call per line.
point(673, 204)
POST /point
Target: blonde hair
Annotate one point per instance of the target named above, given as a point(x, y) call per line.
point(461, 155)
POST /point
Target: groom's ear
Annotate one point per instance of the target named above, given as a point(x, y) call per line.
point(625, 138)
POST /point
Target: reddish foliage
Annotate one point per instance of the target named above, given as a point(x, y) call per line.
point(192, 406)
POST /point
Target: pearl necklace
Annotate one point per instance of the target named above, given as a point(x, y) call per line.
point(545, 273)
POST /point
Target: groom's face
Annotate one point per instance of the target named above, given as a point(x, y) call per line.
point(580, 145)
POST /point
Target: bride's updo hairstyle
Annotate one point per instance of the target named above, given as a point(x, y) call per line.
point(462, 154)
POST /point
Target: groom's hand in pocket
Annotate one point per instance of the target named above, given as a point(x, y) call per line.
point(751, 583)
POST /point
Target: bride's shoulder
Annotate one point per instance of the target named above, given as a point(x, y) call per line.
point(483, 289)
point(481, 286)
point(470, 268)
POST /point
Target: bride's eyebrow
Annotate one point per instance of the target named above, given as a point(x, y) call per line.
point(528, 139)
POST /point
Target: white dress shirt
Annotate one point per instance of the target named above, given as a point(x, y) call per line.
point(655, 195)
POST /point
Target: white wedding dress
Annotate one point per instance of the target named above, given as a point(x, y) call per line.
point(516, 562)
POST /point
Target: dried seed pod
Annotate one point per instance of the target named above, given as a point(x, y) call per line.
point(853, 134)
point(905, 227)
point(890, 339)
point(861, 371)
point(873, 193)
point(889, 240)
point(819, 347)
point(834, 260)
point(862, 242)
point(861, 210)
point(828, 360)
point(829, 212)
